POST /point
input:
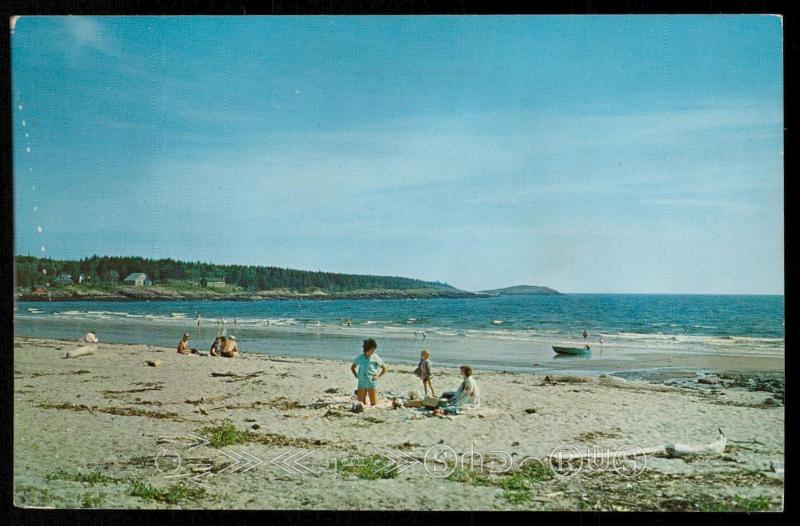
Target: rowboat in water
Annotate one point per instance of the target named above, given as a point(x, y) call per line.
point(572, 350)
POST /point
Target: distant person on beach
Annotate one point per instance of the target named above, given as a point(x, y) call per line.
point(467, 393)
point(229, 348)
point(183, 345)
point(217, 346)
point(89, 337)
point(365, 369)
point(423, 371)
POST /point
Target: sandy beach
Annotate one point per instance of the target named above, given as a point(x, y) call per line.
point(107, 430)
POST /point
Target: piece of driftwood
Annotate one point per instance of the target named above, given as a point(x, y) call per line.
point(619, 453)
point(716, 447)
point(671, 450)
point(81, 351)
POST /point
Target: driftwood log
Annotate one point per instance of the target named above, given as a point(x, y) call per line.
point(716, 447)
point(81, 351)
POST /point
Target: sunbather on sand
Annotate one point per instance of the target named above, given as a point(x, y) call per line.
point(229, 348)
point(89, 337)
point(467, 394)
point(365, 369)
point(183, 345)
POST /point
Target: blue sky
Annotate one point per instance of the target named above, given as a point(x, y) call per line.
point(589, 154)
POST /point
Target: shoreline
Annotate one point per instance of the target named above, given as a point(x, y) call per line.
point(109, 415)
point(159, 294)
point(330, 346)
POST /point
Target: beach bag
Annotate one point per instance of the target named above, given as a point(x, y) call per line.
point(418, 371)
point(431, 402)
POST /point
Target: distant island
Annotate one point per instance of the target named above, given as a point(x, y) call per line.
point(106, 278)
point(522, 290)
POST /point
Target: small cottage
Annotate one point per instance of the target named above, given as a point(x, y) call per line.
point(137, 279)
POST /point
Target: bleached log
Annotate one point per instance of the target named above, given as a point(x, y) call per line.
point(716, 447)
point(671, 450)
point(81, 351)
point(620, 453)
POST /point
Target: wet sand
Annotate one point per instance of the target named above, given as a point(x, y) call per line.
point(109, 431)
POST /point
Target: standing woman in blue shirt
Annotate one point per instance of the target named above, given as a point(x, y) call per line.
point(365, 369)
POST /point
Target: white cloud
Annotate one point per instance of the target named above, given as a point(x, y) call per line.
point(87, 32)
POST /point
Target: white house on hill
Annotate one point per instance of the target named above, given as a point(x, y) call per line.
point(138, 279)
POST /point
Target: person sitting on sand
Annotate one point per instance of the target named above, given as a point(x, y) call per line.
point(229, 347)
point(89, 337)
point(423, 371)
point(467, 393)
point(217, 346)
point(365, 368)
point(183, 345)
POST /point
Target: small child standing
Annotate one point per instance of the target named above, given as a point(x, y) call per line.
point(423, 371)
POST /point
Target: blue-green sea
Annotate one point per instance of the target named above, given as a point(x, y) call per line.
point(505, 332)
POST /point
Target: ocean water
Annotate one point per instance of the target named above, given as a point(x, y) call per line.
point(507, 332)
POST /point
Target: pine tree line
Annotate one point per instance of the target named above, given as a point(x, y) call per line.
point(107, 270)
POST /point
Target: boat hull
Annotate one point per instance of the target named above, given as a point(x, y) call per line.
point(571, 350)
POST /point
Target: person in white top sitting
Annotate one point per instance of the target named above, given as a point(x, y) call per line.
point(89, 337)
point(467, 394)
